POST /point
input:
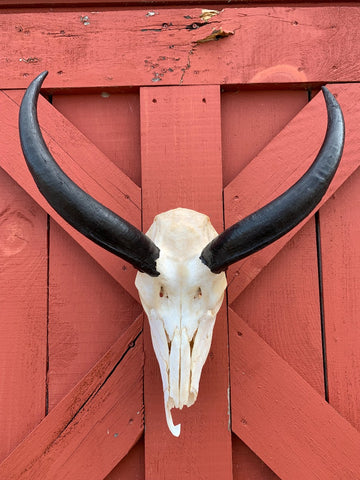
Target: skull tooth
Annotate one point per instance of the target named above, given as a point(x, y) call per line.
point(185, 369)
point(201, 348)
point(174, 368)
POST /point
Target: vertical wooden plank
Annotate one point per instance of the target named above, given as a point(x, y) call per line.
point(111, 121)
point(88, 309)
point(250, 119)
point(273, 304)
point(340, 239)
point(23, 313)
point(181, 167)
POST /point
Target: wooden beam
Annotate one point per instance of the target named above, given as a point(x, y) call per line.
point(85, 164)
point(274, 408)
point(23, 313)
point(143, 3)
point(181, 167)
point(152, 47)
point(289, 154)
point(94, 426)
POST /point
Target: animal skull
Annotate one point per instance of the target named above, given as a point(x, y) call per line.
point(181, 259)
point(181, 304)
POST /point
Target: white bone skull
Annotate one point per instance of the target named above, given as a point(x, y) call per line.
point(181, 304)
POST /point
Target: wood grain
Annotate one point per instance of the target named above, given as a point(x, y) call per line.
point(111, 48)
point(288, 154)
point(23, 313)
point(281, 417)
point(180, 134)
point(340, 253)
point(88, 310)
point(85, 164)
point(250, 120)
point(111, 121)
point(94, 426)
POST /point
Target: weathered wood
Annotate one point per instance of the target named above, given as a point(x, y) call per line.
point(111, 121)
point(132, 466)
point(340, 253)
point(289, 154)
point(85, 164)
point(274, 306)
point(180, 132)
point(97, 49)
point(88, 310)
point(23, 313)
point(143, 3)
point(94, 426)
point(250, 120)
point(281, 417)
point(248, 465)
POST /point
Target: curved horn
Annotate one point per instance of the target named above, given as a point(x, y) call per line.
point(79, 209)
point(278, 217)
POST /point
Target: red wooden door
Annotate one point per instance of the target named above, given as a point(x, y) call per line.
point(153, 109)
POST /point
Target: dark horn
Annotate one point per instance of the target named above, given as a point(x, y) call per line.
point(79, 209)
point(278, 217)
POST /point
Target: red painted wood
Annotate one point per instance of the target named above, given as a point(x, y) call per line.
point(23, 316)
point(274, 306)
point(340, 234)
point(288, 154)
point(99, 176)
point(88, 309)
point(250, 119)
point(180, 133)
point(132, 466)
point(247, 465)
point(143, 3)
point(111, 121)
point(280, 416)
point(112, 48)
point(94, 426)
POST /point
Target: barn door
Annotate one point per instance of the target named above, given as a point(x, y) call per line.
point(148, 110)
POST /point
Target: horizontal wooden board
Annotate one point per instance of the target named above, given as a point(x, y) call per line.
point(126, 3)
point(288, 154)
point(85, 164)
point(153, 46)
point(281, 417)
point(94, 426)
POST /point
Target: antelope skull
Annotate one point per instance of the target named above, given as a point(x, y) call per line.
point(181, 260)
point(181, 304)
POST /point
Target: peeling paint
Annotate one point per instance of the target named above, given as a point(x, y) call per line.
point(30, 60)
point(85, 20)
point(207, 14)
point(216, 34)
